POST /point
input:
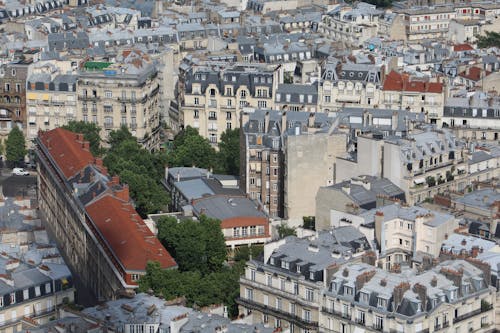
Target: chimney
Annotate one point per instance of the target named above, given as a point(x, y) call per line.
point(398, 293)
point(474, 251)
point(115, 180)
point(379, 219)
point(421, 291)
point(312, 118)
point(123, 193)
point(493, 227)
point(434, 281)
point(467, 71)
point(283, 121)
point(394, 120)
point(266, 122)
point(98, 161)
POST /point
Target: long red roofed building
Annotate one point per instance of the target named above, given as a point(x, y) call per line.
point(104, 240)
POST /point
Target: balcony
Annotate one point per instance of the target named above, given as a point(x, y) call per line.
point(279, 313)
point(88, 98)
point(338, 314)
point(472, 314)
point(108, 125)
point(154, 92)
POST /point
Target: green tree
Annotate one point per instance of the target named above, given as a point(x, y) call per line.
point(284, 231)
point(191, 149)
point(195, 245)
point(15, 146)
point(139, 168)
point(490, 39)
point(91, 133)
point(229, 152)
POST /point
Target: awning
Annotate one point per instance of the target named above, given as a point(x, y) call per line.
point(419, 181)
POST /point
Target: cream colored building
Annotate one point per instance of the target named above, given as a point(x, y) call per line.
point(454, 296)
point(349, 85)
point(123, 93)
point(352, 25)
point(51, 96)
point(402, 92)
point(211, 100)
point(405, 235)
point(285, 289)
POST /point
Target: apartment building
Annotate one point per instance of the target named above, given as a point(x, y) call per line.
point(211, 99)
point(196, 192)
point(84, 207)
point(353, 196)
point(399, 91)
point(405, 235)
point(124, 93)
point(35, 280)
point(424, 23)
point(13, 96)
point(279, 153)
point(428, 161)
point(297, 97)
point(473, 116)
point(284, 289)
point(352, 25)
point(51, 97)
point(350, 85)
point(454, 295)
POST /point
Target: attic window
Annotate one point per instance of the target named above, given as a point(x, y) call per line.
point(381, 302)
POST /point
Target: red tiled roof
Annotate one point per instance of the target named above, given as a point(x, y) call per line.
point(462, 47)
point(243, 222)
point(474, 74)
point(67, 149)
point(401, 82)
point(127, 235)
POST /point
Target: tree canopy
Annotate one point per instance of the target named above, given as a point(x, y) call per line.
point(491, 39)
point(191, 149)
point(195, 245)
point(91, 133)
point(203, 276)
point(229, 152)
point(139, 168)
point(15, 146)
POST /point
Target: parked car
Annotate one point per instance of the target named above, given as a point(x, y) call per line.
point(20, 172)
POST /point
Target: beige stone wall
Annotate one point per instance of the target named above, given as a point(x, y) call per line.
point(309, 165)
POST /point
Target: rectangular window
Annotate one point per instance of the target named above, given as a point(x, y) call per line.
point(307, 315)
point(26, 294)
point(309, 294)
point(48, 288)
point(279, 303)
point(249, 293)
point(196, 101)
point(37, 291)
point(282, 284)
point(13, 298)
point(236, 232)
point(108, 94)
point(269, 278)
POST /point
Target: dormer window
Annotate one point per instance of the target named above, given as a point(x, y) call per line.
point(348, 290)
point(381, 302)
point(272, 261)
point(298, 269)
point(311, 275)
point(285, 264)
point(364, 297)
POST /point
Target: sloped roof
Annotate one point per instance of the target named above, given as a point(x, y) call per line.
point(401, 82)
point(127, 235)
point(67, 150)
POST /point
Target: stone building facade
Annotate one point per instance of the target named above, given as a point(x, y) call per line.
point(84, 207)
point(118, 94)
